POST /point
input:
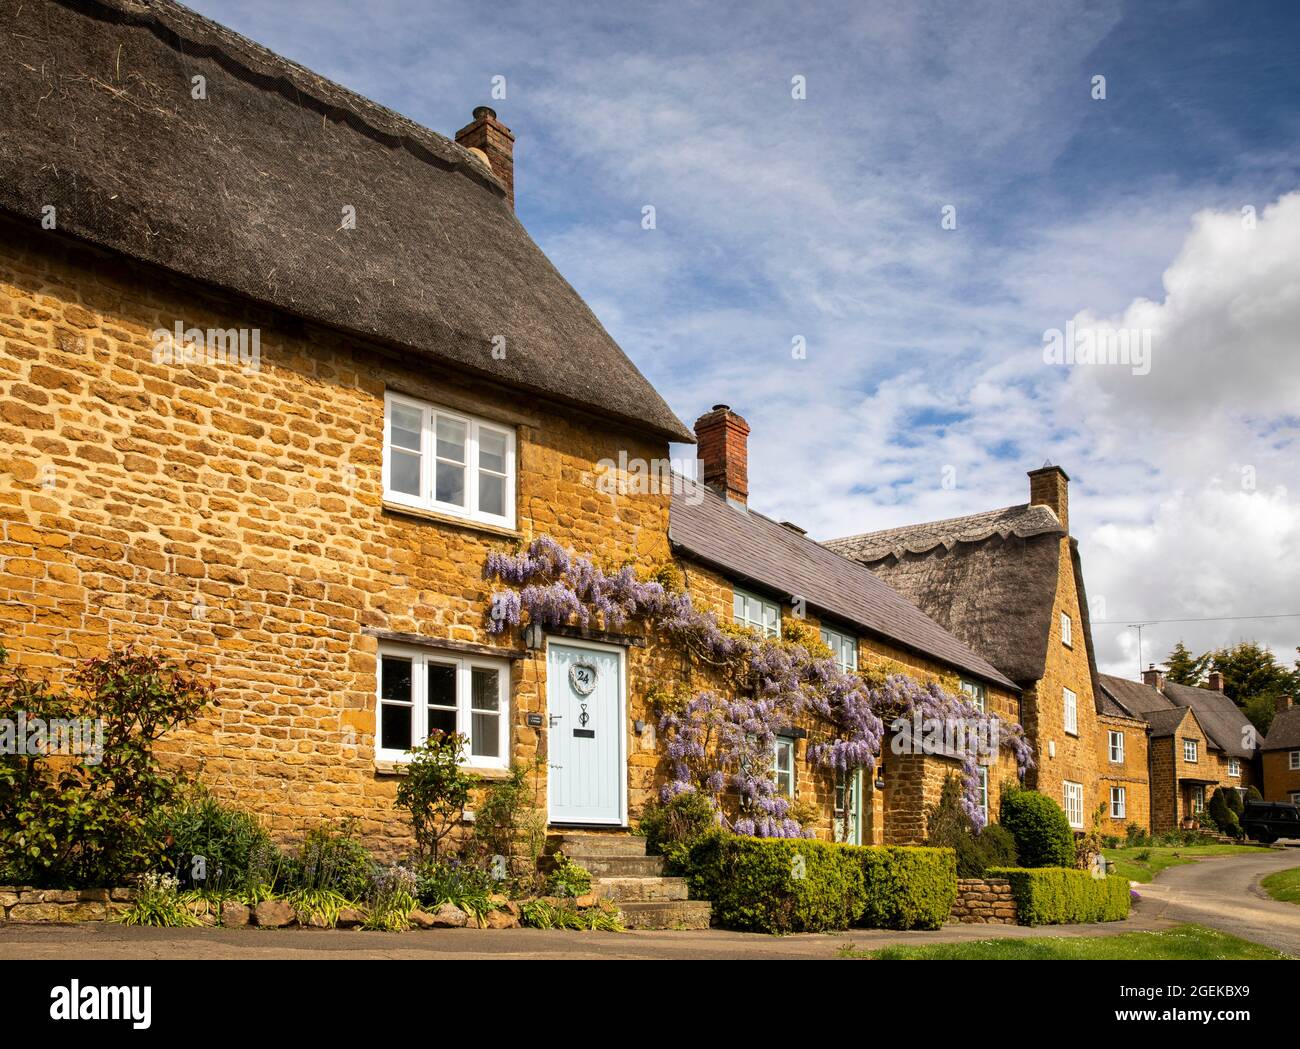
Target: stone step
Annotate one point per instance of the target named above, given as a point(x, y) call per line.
point(578, 844)
point(640, 890)
point(622, 866)
point(666, 914)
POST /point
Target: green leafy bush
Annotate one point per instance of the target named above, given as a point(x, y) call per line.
point(679, 821)
point(907, 887)
point(1058, 895)
point(539, 914)
point(84, 821)
point(949, 826)
point(333, 858)
point(510, 823)
point(451, 881)
point(435, 791)
point(216, 848)
point(157, 902)
point(1221, 811)
point(1042, 833)
point(568, 878)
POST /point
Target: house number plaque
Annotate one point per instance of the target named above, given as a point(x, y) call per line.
point(582, 676)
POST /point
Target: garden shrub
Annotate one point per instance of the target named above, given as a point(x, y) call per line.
point(775, 885)
point(332, 857)
point(568, 878)
point(74, 822)
point(906, 887)
point(510, 827)
point(435, 791)
point(1059, 895)
point(1222, 813)
point(1042, 832)
point(452, 881)
point(949, 826)
point(215, 847)
point(678, 821)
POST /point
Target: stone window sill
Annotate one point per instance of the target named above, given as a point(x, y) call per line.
point(450, 520)
point(399, 768)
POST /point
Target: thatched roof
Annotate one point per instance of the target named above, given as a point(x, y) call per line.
point(1220, 718)
point(1284, 733)
point(245, 190)
point(989, 578)
point(757, 551)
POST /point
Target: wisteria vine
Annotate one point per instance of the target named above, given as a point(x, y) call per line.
point(718, 743)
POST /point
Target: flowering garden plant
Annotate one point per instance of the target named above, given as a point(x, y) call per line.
point(719, 740)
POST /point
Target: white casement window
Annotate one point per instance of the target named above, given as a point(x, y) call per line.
point(1294, 762)
point(1198, 799)
point(1066, 634)
point(783, 765)
point(1117, 747)
point(975, 693)
point(1189, 750)
point(983, 771)
point(1234, 766)
point(422, 691)
point(448, 462)
point(848, 806)
point(844, 647)
point(758, 613)
point(1118, 803)
point(1071, 712)
point(1074, 804)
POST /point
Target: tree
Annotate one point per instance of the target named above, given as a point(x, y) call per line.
point(1253, 679)
point(435, 791)
point(1185, 668)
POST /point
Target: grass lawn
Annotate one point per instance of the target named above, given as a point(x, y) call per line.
point(1183, 942)
point(1145, 862)
point(1284, 885)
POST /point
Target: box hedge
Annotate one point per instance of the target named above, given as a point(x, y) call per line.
point(1062, 895)
point(781, 885)
point(1042, 832)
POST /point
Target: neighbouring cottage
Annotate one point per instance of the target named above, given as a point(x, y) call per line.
point(1009, 583)
point(280, 371)
point(1280, 754)
point(1200, 741)
point(761, 572)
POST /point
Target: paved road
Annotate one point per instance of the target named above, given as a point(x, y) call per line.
point(1223, 892)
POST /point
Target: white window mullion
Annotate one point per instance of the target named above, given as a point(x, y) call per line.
point(471, 468)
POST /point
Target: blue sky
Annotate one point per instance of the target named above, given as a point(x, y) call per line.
point(820, 218)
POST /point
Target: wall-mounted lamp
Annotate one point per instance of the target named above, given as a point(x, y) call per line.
point(880, 777)
point(534, 637)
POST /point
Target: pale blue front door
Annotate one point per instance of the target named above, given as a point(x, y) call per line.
point(588, 777)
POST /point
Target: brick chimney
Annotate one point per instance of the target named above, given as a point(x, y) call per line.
point(1215, 683)
point(1050, 486)
point(1153, 678)
point(497, 143)
point(723, 438)
point(1281, 703)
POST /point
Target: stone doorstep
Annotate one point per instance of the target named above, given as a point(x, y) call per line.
point(640, 890)
point(623, 866)
point(578, 844)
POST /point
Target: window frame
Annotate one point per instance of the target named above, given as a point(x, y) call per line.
point(1119, 794)
point(1112, 750)
point(1234, 767)
point(1198, 798)
point(784, 743)
point(1072, 798)
point(839, 642)
point(977, 693)
point(983, 773)
point(420, 658)
point(1195, 748)
point(1067, 630)
point(473, 467)
point(846, 820)
point(1070, 700)
point(740, 594)
point(1293, 761)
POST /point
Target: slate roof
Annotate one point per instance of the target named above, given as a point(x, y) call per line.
point(989, 578)
point(753, 549)
point(244, 191)
point(1165, 722)
point(1219, 717)
point(1284, 733)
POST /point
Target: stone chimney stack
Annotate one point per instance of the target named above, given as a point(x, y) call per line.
point(1153, 678)
point(1215, 683)
point(723, 438)
point(496, 142)
point(1282, 703)
point(1050, 486)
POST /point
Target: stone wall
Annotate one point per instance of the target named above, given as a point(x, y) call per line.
point(22, 904)
point(1280, 780)
point(1132, 773)
point(984, 901)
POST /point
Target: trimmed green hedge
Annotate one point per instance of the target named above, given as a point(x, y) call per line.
point(784, 885)
point(1062, 895)
point(1042, 832)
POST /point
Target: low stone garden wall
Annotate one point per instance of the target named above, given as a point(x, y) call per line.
point(984, 901)
point(18, 903)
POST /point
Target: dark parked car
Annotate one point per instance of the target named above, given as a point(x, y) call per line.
point(1267, 821)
